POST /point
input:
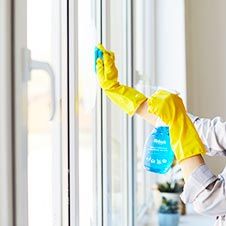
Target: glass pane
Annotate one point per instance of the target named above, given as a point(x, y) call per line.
point(143, 81)
point(87, 106)
point(116, 118)
point(44, 140)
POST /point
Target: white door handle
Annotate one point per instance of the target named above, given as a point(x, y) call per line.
point(29, 65)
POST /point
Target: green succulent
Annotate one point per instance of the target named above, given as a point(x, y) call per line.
point(168, 206)
point(170, 187)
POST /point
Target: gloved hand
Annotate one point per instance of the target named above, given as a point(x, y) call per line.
point(127, 98)
point(169, 107)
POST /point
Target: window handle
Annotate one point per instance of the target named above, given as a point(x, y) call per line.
point(30, 65)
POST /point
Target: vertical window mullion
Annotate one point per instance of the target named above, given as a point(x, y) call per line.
point(6, 113)
point(72, 44)
point(20, 114)
point(99, 130)
point(66, 218)
point(98, 142)
point(106, 125)
point(130, 121)
point(126, 122)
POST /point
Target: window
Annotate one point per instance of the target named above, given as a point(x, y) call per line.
point(40, 121)
point(87, 118)
point(118, 191)
point(144, 72)
point(116, 149)
point(44, 141)
point(83, 167)
point(68, 156)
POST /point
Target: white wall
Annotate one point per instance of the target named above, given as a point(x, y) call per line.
point(206, 61)
point(170, 45)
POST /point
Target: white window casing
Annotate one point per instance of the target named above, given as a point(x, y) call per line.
point(6, 136)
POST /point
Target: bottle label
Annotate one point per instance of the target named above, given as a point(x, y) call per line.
point(158, 155)
point(160, 142)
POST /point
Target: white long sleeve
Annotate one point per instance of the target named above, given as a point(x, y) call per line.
point(203, 189)
point(212, 133)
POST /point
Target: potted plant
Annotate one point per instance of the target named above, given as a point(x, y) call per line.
point(170, 187)
point(168, 213)
point(171, 190)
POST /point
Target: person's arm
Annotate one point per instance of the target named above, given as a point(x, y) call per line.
point(162, 104)
point(142, 111)
point(190, 164)
point(187, 165)
point(206, 191)
point(213, 133)
point(203, 189)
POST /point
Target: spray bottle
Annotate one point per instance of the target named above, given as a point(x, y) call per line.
point(158, 155)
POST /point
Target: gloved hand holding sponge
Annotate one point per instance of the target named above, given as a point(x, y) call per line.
point(127, 98)
point(169, 107)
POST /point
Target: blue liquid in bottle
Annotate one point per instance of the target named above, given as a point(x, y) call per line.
point(158, 155)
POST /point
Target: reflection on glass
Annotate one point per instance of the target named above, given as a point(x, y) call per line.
point(140, 176)
point(143, 77)
point(118, 139)
point(116, 167)
point(87, 97)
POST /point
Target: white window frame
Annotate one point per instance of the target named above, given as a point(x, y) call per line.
point(20, 119)
point(102, 114)
point(146, 67)
point(20, 114)
point(74, 120)
point(127, 184)
point(6, 119)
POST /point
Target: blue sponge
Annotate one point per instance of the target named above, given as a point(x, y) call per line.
point(98, 54)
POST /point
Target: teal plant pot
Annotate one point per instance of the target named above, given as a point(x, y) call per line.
point(168, 219)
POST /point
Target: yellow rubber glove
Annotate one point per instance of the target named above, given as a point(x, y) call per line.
point(127, 98)
point(184, 138)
